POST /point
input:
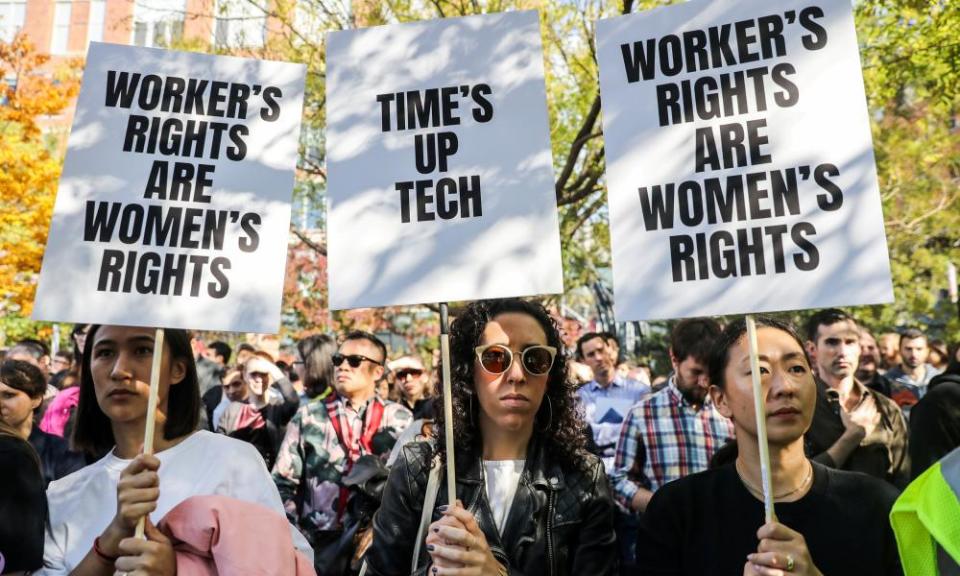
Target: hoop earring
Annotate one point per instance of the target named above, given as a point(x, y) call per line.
point(550, 417)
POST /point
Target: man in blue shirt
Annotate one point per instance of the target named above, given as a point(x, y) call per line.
point(606, 402)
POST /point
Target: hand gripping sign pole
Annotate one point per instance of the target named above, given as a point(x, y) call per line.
point(759, 406)
point(152, 408)
point(447, 403)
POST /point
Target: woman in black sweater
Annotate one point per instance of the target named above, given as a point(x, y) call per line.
point(712, 523)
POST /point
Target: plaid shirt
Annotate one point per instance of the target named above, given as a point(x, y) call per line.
point(312, 461)
point(664, 438)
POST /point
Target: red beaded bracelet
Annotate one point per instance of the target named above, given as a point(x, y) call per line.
point(99, 552)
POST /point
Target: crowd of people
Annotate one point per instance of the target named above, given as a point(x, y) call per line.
point(331, 460)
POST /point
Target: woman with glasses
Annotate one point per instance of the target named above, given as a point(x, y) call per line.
point(530, 499)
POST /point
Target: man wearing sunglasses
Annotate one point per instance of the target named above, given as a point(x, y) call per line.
point(325, 439)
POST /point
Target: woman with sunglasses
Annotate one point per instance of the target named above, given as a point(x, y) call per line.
point(530, 499)
point(828, 521)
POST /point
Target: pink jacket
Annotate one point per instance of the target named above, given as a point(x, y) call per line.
point(58, 412)
point(217, 535)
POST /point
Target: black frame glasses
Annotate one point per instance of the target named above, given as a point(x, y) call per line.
point(528, 363)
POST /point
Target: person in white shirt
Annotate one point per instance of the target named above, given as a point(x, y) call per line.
point(94, 511)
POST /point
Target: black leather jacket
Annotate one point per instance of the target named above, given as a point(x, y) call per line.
point(560, 524)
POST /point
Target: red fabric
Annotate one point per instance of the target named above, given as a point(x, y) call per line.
point(249, 417)
point(214, 535)
point(344, 432)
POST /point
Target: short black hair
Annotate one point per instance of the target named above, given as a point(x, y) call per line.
point(92, 431)
point(222, 349)
point(607, 337)
point(911, 334)
point(33, 348)
point(693, 337)
point(826, 317)
point(23, 376)
point(243, 346)
point(370, 337)
point(720, 351)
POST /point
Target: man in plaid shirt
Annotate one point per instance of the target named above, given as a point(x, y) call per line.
point(676, 431)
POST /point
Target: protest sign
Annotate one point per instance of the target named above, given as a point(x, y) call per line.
point(740, 166)
point(174, 204)
point(440, 172)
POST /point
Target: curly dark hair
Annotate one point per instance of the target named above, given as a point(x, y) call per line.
point(561, 435)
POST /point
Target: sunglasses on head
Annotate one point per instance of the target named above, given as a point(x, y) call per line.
point(412, 372)
point(497, 358)
point(353, 360)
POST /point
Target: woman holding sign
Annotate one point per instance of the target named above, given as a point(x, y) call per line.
point(829, 521)
point(530, 499)
point(94, 511)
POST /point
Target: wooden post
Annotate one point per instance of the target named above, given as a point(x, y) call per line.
point(760, 406)
point(152, 407)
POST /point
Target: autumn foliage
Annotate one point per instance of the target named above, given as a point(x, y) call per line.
point(29, 167)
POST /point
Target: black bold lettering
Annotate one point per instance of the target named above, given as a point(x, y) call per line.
point(470, 199)
point(790, 94)
point(446, 206)
point(238, 151)
point(817, 38)
point(214, 229)
point(449, 105)
point(657, 212)
point(750, 247)
point(271, 94)
point(405, 189)
point(121, 88)
point(691, 203)
point(723, 254)
point(776, 236)
point(221, 287)
point(681, 258)
point(639, 60)
point(812, 259)
point(384, 100)
point(668, 103)
point(174, 270)
point(148, 273)
point(110, 274)
point(136, 136)
point(484, 110)
point(151, 92)
point(249, 223)
point(157, 181)
point(131, 224)
point(98, 225)
point(173, 94)
point(833, 200)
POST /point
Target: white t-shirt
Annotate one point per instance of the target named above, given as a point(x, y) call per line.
point(82, 504)
point(502, 478)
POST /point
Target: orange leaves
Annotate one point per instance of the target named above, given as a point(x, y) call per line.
point(28, 170)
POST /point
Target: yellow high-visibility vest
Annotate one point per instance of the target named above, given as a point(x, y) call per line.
point(926, 520)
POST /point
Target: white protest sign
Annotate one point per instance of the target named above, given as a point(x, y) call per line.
point(740, 165)
point(440, 173)
point(174, 204)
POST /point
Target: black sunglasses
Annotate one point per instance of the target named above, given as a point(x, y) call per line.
point(354, 360)
point(405, 372)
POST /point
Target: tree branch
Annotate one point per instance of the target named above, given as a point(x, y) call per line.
point(322, 250)
point(582, 137)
